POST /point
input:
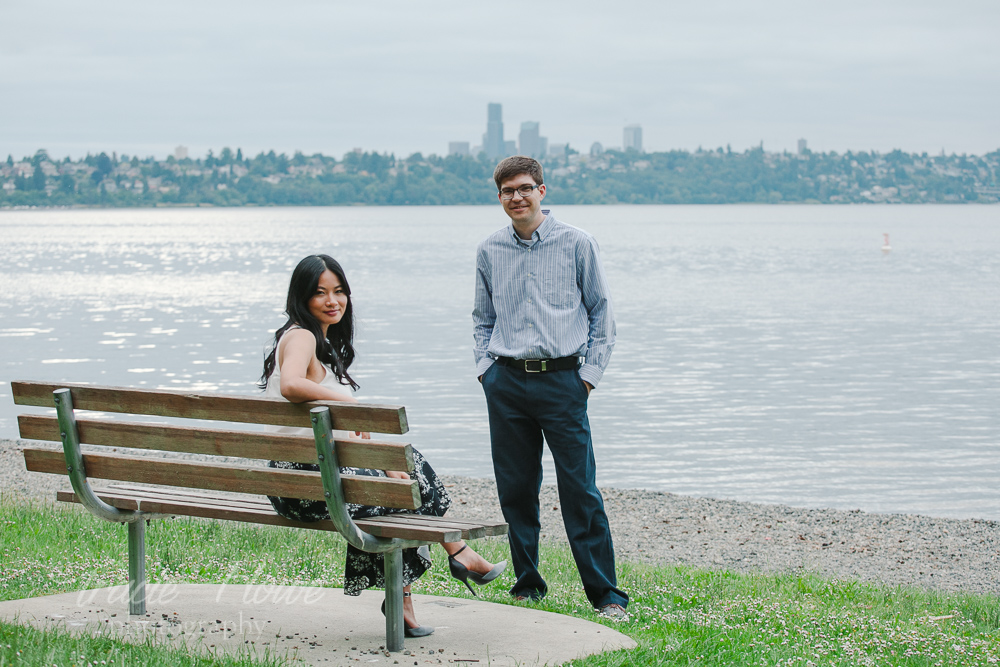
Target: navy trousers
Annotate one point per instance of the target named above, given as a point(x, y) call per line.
point(524, 407)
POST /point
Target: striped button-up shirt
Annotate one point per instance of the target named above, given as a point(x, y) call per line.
point(543, 298)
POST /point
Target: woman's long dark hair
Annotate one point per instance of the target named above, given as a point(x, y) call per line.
point(335, 350)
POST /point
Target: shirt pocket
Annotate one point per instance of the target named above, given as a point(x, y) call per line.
point(559, 288)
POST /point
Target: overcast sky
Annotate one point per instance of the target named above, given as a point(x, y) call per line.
point(143, 77)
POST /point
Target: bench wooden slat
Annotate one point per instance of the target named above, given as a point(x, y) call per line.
point(414, 531)
point(209, 508)
point(481, 528)
point(380, 491)
point(378, 454)
point(215, 508)
point(410, 520)
point(469, 529)
point(175, 494)
point(189, 405)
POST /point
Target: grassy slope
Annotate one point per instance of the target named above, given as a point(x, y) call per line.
point(680, 616)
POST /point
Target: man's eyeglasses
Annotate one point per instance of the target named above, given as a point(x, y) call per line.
point(525, 192)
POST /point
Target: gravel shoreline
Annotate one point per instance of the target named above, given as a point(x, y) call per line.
point(664, 528)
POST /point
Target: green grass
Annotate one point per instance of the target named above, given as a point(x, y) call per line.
point(680, 616)
point(24, 645)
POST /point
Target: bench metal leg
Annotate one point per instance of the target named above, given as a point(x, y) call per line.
point(393, 600)
point(137, 568)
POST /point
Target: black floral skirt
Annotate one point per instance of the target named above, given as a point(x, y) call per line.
point(364, 570)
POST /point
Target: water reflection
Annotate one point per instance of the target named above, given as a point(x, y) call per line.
point(765, 353)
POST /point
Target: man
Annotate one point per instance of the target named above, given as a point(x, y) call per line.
point(544, 333)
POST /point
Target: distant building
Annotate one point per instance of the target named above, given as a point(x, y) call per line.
point(633, 137)
point(493, 143)
point(802, 146)
point(181, 153)
point(529, 141)
point(596, 149)
point(458, 148)
point(509, 148)
point(557, 150)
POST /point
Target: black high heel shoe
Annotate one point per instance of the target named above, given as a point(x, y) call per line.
point(463, 574)
point(418, 631)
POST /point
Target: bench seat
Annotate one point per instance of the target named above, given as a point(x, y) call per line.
point(251, 510)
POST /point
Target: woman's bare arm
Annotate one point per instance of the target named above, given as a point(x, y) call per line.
point(297, 353)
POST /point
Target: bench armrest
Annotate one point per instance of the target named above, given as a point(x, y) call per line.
point(74, 464)
point(333, 491)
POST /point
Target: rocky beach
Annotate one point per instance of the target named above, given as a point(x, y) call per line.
point(668, 529)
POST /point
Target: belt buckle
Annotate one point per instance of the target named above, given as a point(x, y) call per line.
point(541, 365)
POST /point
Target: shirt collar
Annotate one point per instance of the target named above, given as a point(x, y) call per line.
point(542, 231)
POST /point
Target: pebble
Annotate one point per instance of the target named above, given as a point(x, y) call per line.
point(668, 529)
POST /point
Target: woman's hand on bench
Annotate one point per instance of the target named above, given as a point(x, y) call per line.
point(396, 474)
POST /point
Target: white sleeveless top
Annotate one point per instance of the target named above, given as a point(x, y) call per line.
point(273, 390)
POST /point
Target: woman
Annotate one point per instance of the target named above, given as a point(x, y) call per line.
point(312, 352)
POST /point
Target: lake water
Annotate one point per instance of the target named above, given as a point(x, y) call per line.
point(771, 354)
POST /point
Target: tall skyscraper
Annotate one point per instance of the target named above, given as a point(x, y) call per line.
point(632, 138)
point(802, 146)
point(493, 144)
point(529, 142)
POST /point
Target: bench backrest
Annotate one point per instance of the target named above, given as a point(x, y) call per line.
point(212, 441)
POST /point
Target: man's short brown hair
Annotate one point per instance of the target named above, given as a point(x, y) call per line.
point(515, 166)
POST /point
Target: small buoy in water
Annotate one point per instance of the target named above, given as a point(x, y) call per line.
point(885, 245)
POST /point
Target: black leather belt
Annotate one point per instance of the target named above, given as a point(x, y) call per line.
point(540, 365)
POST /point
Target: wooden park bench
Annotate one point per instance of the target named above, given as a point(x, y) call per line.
point(136, 505)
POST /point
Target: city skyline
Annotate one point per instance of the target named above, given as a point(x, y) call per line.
point(328, 77)
point(495, 145)
point(530, 142)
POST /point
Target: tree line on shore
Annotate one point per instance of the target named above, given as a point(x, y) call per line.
point(719, 176)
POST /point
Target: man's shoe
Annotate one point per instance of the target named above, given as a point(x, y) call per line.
point(526, 597)
point(614, 612)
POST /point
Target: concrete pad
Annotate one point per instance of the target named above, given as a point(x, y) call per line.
point(321, 626)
